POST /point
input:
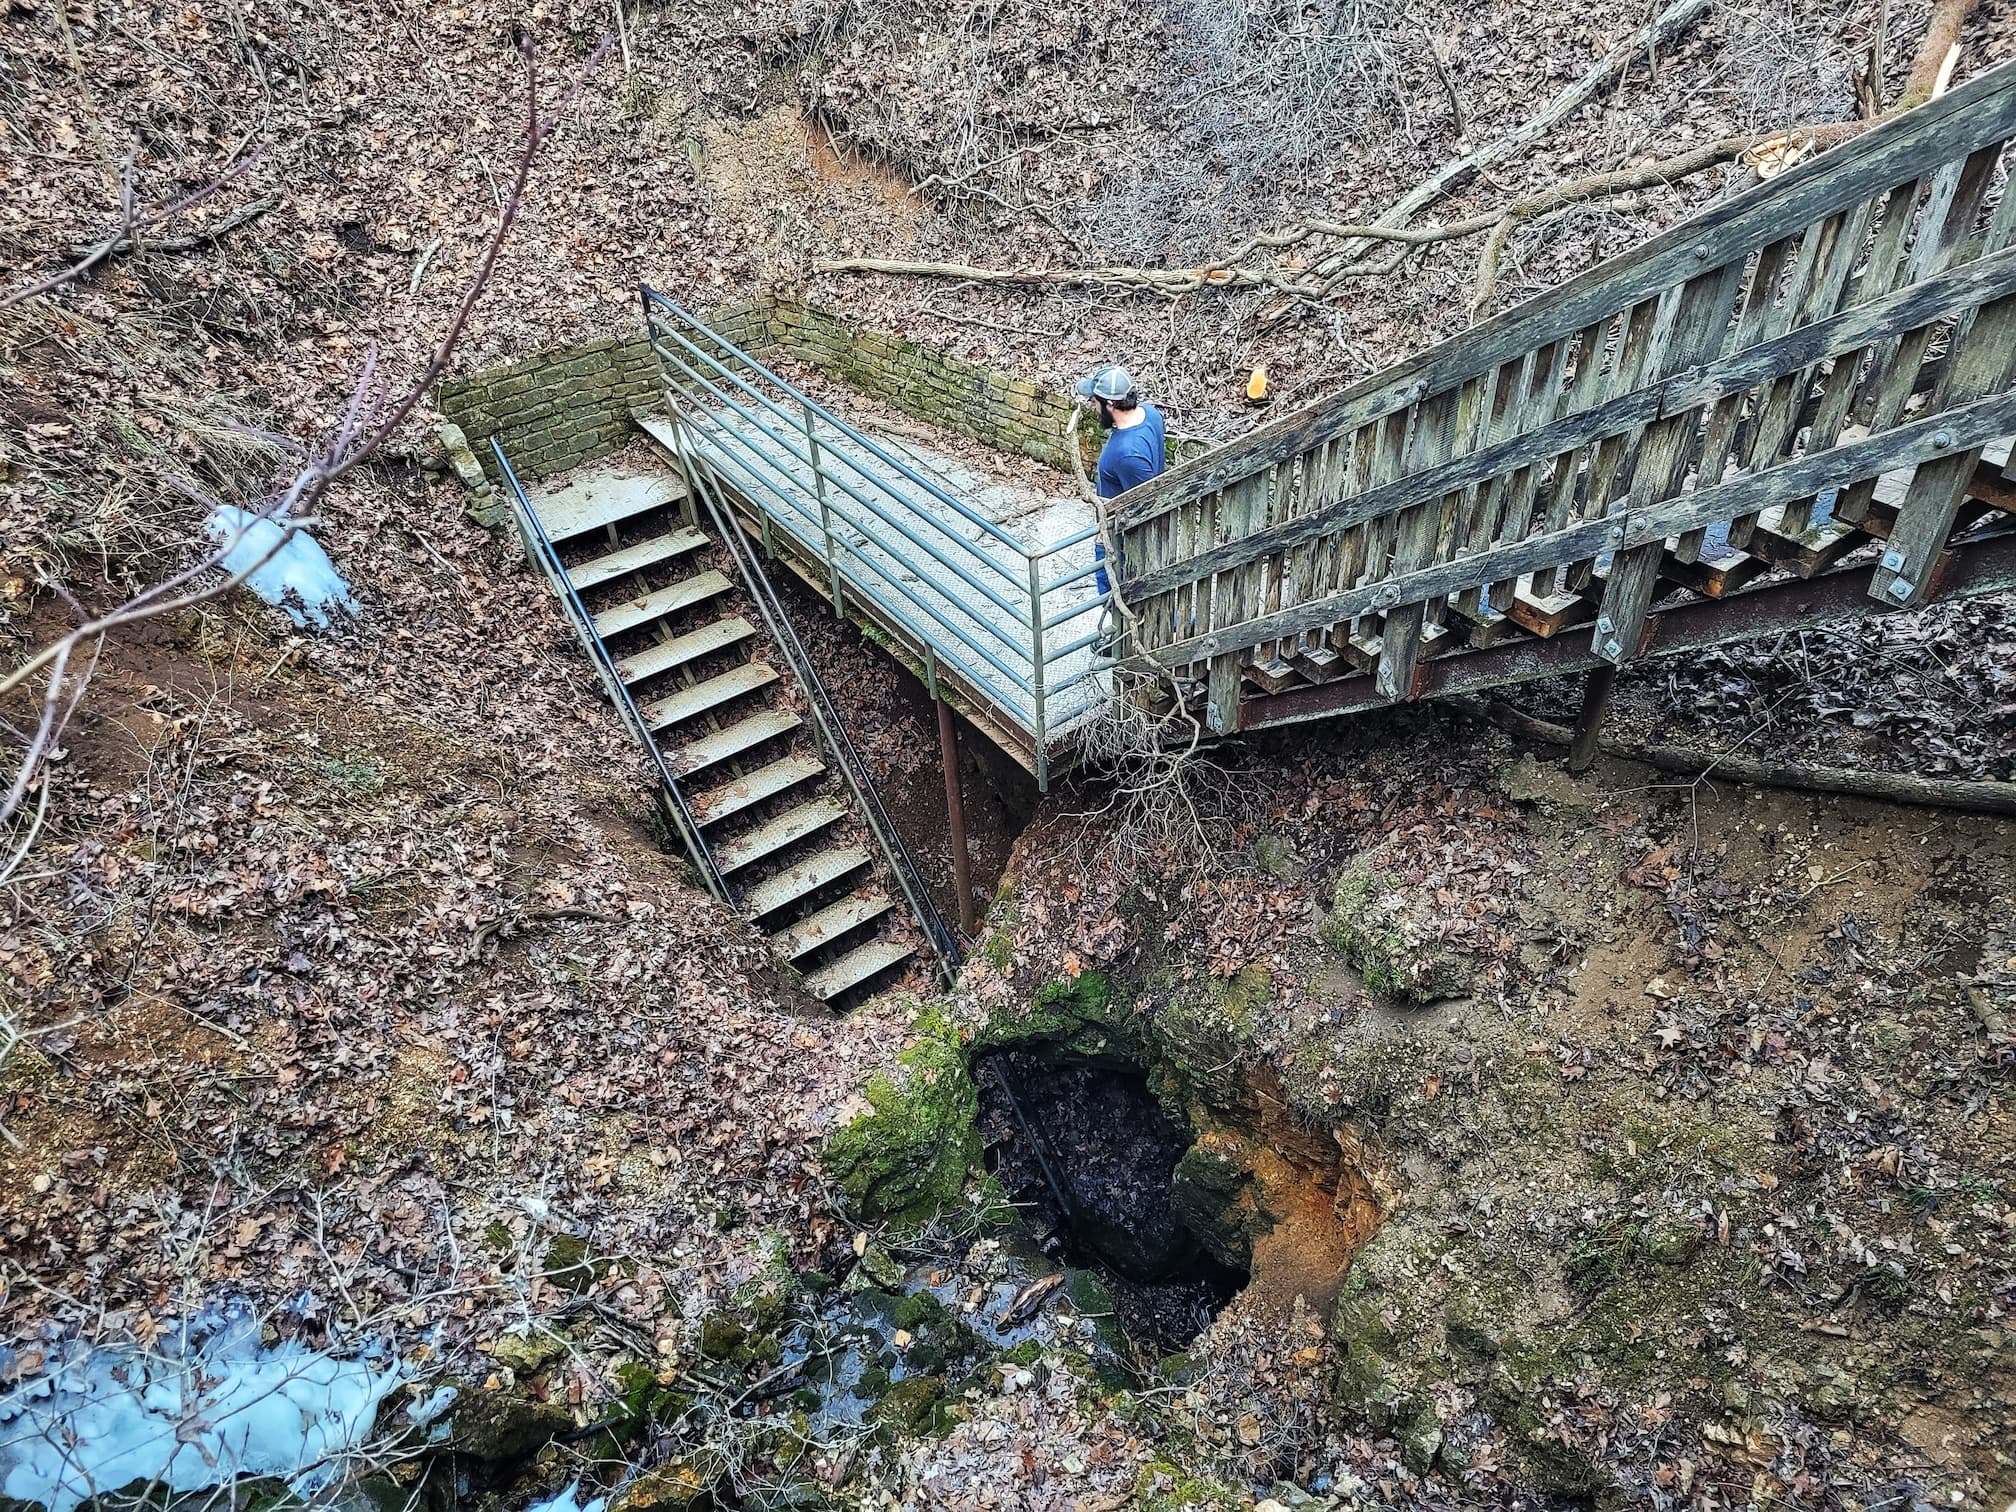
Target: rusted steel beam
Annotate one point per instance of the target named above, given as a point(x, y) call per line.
point(1967, 569)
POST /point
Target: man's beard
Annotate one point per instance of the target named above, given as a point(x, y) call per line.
point(1106, 416)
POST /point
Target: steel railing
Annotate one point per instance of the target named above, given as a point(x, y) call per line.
point(1016, 625)
point(671, 798)
point(827, 724)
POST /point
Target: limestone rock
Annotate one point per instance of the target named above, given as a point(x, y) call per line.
point(1387, 933)
point(1548, 788)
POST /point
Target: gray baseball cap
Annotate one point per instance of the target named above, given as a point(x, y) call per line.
point(1108, 383)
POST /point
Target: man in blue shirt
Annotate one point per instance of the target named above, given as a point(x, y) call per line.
point(1134, 450)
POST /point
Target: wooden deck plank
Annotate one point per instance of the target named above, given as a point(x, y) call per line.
point(698, 698)
point(830, 923)
point(745, 735)
point(856, 967)
point(667, 656)
point(773, 835)
point(716, 804)
point(601, 499)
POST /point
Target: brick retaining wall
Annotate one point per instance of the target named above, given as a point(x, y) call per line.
point(558, 409)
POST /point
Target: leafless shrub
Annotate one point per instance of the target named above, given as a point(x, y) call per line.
point(1785, 60)
point(1262, 97)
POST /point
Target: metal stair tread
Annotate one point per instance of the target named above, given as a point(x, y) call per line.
point(696, 699)
point(718, 803)
point(660, 548)
point(772, 835)
point(681, 649)
point(709, 749)
point(599, 501)
point(814, 872)
point(641, 610)
point(831, 922)
point(855, 967)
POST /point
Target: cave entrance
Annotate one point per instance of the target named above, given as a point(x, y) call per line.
point(1087, 1153)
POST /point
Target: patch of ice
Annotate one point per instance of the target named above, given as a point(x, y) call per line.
point(296, 575)
point(566, 1500)
point(206, 1404)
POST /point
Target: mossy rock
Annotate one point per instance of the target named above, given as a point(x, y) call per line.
point(527, 1354)
point(721, 1336)
point(499, 1425)
point(1163, 1486)
point(908, 1156)
point(1079, 1016)
point(1385, 933)
point(905, 1408)
point(1212, 1189)
point(685, 1484)
point(567, 1264)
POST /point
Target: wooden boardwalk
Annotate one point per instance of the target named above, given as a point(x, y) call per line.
point(1795, 406)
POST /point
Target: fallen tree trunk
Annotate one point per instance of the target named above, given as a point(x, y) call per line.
point(1931, 792)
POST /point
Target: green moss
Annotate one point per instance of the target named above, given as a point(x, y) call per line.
point(567, 1264)
point(1356, 931)
point(1166, 1487)
point(1025, 1354)
point(1240, 996)
point(907, 1157)
point(1375, 943)
point(721, 1336)
point(906, 1407)
point(1079, 1015)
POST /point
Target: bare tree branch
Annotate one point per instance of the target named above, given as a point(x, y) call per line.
point(368, 421)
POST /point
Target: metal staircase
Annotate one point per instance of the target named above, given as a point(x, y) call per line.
point(744, 752)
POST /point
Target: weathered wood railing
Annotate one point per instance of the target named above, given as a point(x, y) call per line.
point(1734, 388)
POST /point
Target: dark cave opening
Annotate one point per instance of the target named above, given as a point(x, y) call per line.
point(1086, 1152)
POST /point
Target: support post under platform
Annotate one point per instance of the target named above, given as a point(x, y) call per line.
point(1596, 686)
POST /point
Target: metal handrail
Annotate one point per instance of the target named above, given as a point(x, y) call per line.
point(652, 296)
point(729, 433)
point(806, 424)
point(701, 486)
point(897, 547)
point(871, 565)
point(541, 548)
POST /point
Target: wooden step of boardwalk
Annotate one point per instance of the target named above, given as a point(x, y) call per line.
point(830, 923)
point(604, 499)
point(660, 548)
point(803, 879)
point(742, 736)
point(773, 835)
point(669, 656)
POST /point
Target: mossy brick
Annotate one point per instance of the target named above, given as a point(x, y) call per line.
point(504, 388)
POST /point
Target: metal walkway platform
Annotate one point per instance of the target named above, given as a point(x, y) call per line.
point(987, 591)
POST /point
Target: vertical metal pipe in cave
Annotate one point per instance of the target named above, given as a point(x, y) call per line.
point(955, 814)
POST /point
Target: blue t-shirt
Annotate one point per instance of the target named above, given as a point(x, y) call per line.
point(1129, 457)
